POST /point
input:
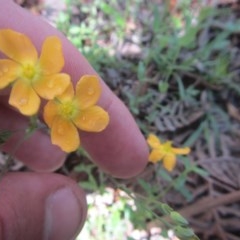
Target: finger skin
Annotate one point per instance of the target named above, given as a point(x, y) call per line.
point(120, 149)
point(23, 205)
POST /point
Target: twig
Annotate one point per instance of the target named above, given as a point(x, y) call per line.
point(202, 206)
point(208, 203)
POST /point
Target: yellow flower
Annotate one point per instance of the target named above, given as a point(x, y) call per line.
point(68, 112)
point(164, 151)
point(31, 76)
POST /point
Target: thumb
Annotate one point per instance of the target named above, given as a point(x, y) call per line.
point(40, 206)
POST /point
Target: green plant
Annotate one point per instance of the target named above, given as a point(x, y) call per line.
point(177, 86)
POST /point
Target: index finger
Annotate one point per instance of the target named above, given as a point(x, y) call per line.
point(120, 149)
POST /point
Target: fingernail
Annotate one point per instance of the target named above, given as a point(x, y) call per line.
point(63, 216)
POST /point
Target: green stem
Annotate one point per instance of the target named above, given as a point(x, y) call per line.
point(171, 185)
point(141, 199)
point(33, 126)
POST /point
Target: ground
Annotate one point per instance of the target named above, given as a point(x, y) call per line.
point(184, 87)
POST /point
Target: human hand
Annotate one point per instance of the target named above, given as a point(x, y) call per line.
point(45, 205)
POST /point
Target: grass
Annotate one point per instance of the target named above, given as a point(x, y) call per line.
point(173, 68)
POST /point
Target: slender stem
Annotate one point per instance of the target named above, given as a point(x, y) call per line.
point(139, 201)
point(33, 126)
point(171, 185)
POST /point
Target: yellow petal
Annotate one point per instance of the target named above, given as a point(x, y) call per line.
point(50, 112)
point(8, 72)
point(65, 135)
point(88, 91)
point(181, 151)
point(24, 98)
point(17, 46)
point(156, 155)
point(51, 59)
point(153, 141)
point(68, 94)
point(51, 86)
point(93, 119)
point(169, 161)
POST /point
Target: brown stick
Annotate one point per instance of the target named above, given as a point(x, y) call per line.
point(208, 203)
point(201, 206)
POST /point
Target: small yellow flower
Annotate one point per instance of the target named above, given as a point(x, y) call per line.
point(68, 112)
point(31, 76)
point(164, 151)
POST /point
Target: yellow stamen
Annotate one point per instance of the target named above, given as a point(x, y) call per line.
point(29, 72)
point(167, 146)
point(67, 110)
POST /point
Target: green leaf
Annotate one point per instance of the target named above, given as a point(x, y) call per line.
point(232, 26)
point(75, 29)
point(178, 218)
point(187, 163)
point(156, 20)
point(195, 135)
point(163, 86)
point(188, 40)
point(4, 136)
point(181, 88)
point(92, 186)
point(183, 232)
point(164, 174)
point(179, 185)
point(141, 72)
point(206, 12)
point(200, 171)
point(146, 186)
point(166, 209)
point(221, 67)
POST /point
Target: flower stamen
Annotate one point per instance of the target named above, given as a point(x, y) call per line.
point(29, 72)
point(67, 110)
